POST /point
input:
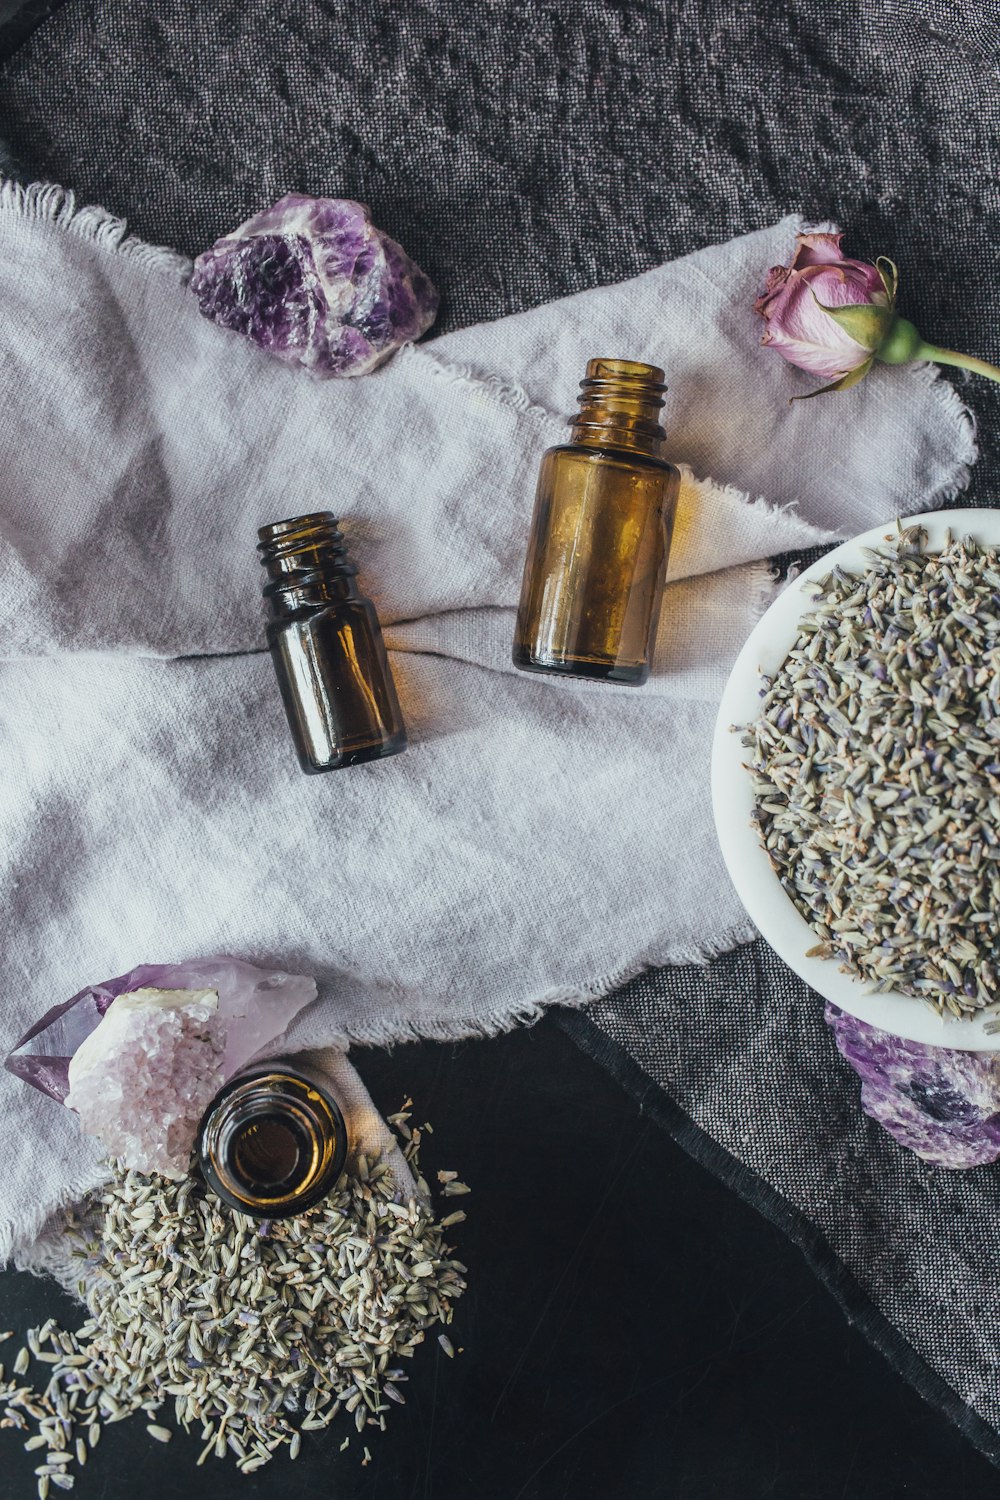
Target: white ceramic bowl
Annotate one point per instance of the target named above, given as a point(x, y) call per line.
point(756, 883)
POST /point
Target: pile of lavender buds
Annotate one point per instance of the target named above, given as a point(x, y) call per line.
point(245, 1332)
point(876, 771)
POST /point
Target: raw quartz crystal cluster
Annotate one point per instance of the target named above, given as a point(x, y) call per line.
point(156, 1055)
point(941, 1103)
point(141, 1056)
point(315, 283)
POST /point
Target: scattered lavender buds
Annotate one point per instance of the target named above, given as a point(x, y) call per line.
point(876, 771)
point(314, 282)
point(248, 1334)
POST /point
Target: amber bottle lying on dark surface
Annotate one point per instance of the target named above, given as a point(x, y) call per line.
point(597, 554)
point(327, 648)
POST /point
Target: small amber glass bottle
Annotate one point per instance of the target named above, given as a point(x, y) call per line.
point(597, 556)
point(273, 1141)
point(326, 645)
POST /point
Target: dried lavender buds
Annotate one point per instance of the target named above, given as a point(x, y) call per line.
point(247, 1334)
point(876, 771)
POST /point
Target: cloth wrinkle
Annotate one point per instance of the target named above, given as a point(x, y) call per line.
point(871, 122)
point(153, 808)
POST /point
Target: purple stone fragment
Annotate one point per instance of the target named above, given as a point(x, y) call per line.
point(315, 283)
point(939, 1102)
point(255, 1006)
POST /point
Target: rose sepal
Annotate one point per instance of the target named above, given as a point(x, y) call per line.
point(865, 322)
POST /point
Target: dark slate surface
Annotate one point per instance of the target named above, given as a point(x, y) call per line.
point(633, 1330)
point(910, 1251)
point(521, 151)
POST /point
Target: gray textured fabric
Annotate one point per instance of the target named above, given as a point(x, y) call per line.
point(523, 150)
point(752, 1064)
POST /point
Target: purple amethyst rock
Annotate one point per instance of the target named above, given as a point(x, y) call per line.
point(313, 282)
point(255, 1005)
point(941, 1103)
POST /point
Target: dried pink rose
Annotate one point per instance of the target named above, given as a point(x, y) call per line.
point(834, 316)
point(794, 306)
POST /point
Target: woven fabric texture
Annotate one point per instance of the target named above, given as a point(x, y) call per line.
point(522, 151)
point(746, 1055)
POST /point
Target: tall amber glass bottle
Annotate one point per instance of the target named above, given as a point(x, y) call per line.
point(597, 555)
point(326, 645)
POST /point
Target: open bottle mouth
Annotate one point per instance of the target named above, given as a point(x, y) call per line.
point(272, 1143)
point(621, 398)
point(268, 1155)
point(621, 371)
point(305, 558)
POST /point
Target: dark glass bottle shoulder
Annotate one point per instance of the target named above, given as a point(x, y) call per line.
point(628, 457)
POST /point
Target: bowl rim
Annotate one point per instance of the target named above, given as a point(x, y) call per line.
point(756, 883)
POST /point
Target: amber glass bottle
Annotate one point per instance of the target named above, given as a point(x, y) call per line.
point(597, 555)
point(327, 648)
point(273, 1141)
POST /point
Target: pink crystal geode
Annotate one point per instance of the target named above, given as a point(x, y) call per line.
point(314, 282)
point(155, 1055)
point(141, 1056)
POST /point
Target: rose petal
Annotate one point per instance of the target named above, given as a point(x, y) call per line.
point(808, 337)
point(817, 250)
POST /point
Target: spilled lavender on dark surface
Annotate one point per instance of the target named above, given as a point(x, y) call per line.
point(941, 1103)
point(315, 283)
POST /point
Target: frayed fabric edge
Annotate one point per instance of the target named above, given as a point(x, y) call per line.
point(30, 1241)
point(23, 1238)
point(510, 394)
point(505, 392)
point(965, 420)
point(49, 202)
point(395, 1030)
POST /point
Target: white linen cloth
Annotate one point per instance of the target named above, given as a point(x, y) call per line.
point(542, 839)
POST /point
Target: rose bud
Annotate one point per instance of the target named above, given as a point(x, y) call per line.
point(834, 317)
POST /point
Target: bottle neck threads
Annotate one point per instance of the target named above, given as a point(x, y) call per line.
point(620, 405)
point(273, 1141)
point(306, 562)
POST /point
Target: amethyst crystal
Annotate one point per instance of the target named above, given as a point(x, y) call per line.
point(143, 1079)
point(313, 282)
point(139, 1057)
point(941, 1103)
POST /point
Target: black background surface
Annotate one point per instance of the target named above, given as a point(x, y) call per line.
point(632, 1328)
